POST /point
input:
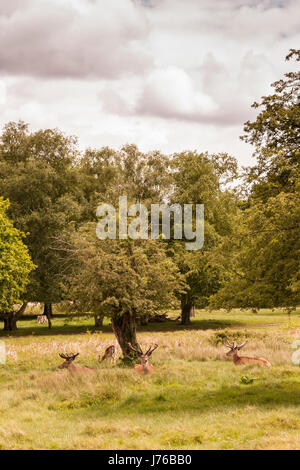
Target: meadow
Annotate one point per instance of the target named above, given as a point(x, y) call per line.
point(196, 399)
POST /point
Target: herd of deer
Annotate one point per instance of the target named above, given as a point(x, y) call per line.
point(145, 367)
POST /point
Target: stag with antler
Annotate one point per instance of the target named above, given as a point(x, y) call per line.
point(144, 367)
point(241, 360)
point(68, 364)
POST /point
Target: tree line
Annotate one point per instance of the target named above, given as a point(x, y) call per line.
point(250, 259)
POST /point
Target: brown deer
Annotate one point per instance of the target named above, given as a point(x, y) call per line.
point(242, 360)
point(41, 319)
point(109, 354)
point(68, 364)
point(144, 367)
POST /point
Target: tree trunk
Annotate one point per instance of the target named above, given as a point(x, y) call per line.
point(186, 309)
point(10, 319)
point(48, 310)
point(144, 319)
point(124, 327)
point(193, 312)
point(10, 322)
point(98, 320)
point(48, 313)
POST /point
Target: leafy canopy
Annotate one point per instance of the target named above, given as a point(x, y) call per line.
point(263, 256)
point(39, 177)
point(113, 277)
point(15, 262)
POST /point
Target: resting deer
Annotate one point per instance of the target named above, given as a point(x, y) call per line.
point(68, 364)
point(41, 319)
point(241, 360)
point(109, 354)
point(144, 367)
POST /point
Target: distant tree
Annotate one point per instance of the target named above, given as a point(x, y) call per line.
point(200, 178)
point(39, 176)
point(15, 267)
point(262, 257)
point(107, 174)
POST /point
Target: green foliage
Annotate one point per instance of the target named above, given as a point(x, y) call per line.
point(220, 337)
point(199, 178)
point(115, 276)
point(106, 174)
point(262, 257)
point(276, 134)
point(15, 262)
point(37, 174)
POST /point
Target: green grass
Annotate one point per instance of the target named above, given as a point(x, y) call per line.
point(195, 400)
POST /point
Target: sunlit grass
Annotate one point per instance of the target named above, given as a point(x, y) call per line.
point(195, 399)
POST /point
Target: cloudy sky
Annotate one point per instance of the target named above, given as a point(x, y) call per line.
point(164, 74)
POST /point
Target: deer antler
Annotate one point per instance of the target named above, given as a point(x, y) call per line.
point(242, 345)
point(231, 346)
point(150, 350)
point(135, 349)
point(69, 356)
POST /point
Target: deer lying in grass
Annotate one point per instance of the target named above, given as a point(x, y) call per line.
point(68, 364)
point(109, 354)
point(41, 319)
point(144, 367)
point(242, 360)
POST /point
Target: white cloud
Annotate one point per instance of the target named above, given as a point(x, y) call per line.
point(170, 93)
point(164, 74)
point(58, 39)
point(2, 93)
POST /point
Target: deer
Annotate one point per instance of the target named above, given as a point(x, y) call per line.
point(109, 354)
point(144, 367)
point(41, 319)
point(68, 364)
point(242, 360)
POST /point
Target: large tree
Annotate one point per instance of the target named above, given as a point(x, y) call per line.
point(275, 135)
point(106, 174)
point(122, 279)
point(38, 175)
point(263, 256)
point(15, 267)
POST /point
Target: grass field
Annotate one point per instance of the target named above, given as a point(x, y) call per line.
point(195, 400)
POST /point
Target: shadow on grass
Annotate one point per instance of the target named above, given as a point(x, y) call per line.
point(70, 329)
point(193, 401)
point(194, 325)
point(265, 395)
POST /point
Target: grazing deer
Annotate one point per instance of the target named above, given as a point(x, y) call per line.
point(41, 319)
point(68, 364)
point(144, 367)
point(109, 354)
point(241, 360)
